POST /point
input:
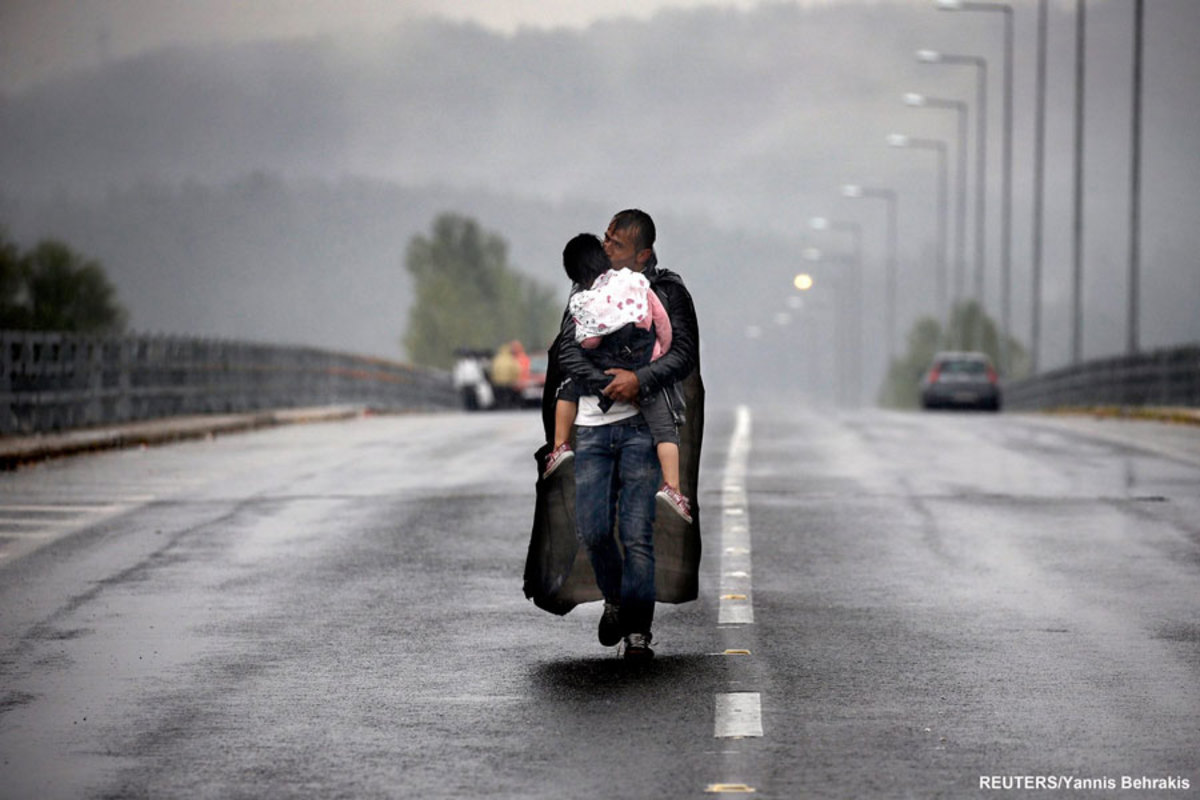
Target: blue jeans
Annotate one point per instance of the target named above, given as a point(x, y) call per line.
point(617, 474)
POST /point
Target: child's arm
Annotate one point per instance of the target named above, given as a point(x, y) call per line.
point(684, 355)
point(662, 325)
point(576, 364)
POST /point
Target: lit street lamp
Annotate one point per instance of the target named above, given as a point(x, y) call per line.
point(805, 315)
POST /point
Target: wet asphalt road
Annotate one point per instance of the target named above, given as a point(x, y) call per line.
point(335, 610)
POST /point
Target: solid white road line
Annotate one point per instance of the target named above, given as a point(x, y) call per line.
point(739, 714)
point(115, 501)
point(60, 508)
point(25, 522)
point(736, 605)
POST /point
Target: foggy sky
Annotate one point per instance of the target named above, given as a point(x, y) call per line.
point(41, 39)
point(732, 126)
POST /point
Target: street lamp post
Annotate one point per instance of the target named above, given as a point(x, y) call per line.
point(889, 197)
point(960, 211)
point(980, 64)
point(899, 140)
point(803, 282)
point(1077, 204)
point(1135, 175)
point(1006, 175)
point(837, 309)
point(1039, 191)
point(855, 230)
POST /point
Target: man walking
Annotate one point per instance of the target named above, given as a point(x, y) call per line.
point(616, 466)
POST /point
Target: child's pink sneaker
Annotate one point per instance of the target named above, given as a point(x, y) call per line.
point(558, 456)
point(676, 502)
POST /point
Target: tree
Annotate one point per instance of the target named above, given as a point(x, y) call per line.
point(53, 288)
point(12, 281)
point(972, 329)
point(466, 295)
point(901, 386)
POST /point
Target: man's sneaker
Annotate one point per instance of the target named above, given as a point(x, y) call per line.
point(676, 502)
point(610, 625)
point(558, 456)
point(637, 646)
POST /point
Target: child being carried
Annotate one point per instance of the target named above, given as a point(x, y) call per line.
point(609, 307)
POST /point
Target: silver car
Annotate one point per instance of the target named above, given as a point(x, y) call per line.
point(961, 380)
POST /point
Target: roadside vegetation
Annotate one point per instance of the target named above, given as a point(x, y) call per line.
point(466, 295)
point(52, 288)
point(970, 328)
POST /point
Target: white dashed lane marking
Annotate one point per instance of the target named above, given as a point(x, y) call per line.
point(738, 714)
point(43, 519)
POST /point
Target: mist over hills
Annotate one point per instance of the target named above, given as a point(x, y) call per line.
point(730, 97)
point(321, 263)
point(268, 190)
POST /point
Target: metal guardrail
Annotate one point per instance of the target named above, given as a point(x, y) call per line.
point(60, 381)
point(1169, 377)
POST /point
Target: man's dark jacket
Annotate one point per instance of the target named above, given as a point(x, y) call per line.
point(558, 574)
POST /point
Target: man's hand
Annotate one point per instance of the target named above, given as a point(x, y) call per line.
point(624, 385)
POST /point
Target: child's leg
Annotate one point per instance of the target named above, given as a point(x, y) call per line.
point(564, 418)
point(668, 459)
point(657, 413)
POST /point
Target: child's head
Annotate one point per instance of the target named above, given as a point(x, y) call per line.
point(584, 259)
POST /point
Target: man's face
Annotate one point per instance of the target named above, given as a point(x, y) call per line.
point(621, 248)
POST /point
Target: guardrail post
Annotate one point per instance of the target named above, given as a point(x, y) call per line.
point(11, 345)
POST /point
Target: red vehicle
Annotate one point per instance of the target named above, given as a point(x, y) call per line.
point(531, 385)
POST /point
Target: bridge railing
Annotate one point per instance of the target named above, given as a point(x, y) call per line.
point(1169, 377)
point(59, 381)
